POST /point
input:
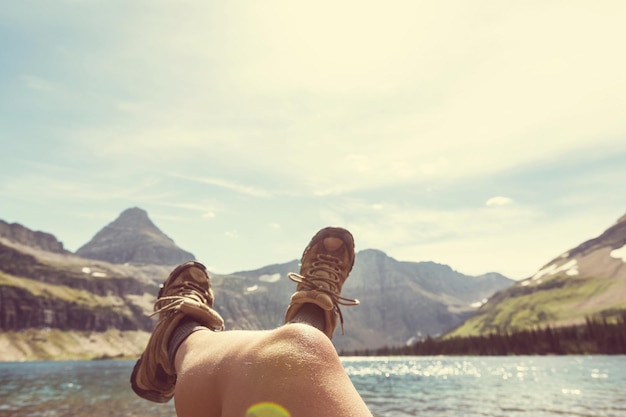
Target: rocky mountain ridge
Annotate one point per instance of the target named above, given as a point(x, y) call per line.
point(400, 301)
point(19, 234)
point(47, 292)
point(66, 292)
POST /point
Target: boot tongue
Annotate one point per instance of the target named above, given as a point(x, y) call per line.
point(324, 275)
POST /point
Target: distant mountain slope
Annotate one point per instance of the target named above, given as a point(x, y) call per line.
point(586, 281)
point(133, 238)
point(400, 301)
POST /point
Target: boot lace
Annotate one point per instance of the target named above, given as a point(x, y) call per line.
point(331, 274)
point(172, 303)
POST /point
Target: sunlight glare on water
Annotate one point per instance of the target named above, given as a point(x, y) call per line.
point(490, 386)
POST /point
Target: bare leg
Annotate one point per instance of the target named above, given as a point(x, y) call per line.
point(295, 367)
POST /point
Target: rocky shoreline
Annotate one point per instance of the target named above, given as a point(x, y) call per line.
point(59, 345)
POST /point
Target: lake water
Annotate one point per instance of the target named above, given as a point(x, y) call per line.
point(529, 386)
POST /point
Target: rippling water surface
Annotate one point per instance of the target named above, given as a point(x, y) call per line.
point(529, 386)
point(492, 386)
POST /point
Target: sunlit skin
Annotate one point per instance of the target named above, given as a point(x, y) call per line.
point(293, 370)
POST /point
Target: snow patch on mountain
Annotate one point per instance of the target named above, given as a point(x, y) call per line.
point(570, 268)
point(619, 253)
point(270, 277)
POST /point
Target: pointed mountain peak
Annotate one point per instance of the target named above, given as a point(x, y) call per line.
point(134, 238)
point(134, 217)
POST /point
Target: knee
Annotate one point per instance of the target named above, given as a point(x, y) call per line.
point(277, 366)
point(298, 345)
point(303, 337)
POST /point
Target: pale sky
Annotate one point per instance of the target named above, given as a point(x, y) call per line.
point(485, 135)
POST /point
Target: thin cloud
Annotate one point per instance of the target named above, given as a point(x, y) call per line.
point(229, 185)
point(498, 201)
point(207, 209)
point(281, 95)
point(39, 84)
point(401, 224)
point(231, 234)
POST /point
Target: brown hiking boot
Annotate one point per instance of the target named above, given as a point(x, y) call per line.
point(186, 293)
point(326, 263)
